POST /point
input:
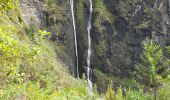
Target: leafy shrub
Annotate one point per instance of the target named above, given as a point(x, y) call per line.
point(31, 70)
point(147, 72)
point(6, 4)
point(164, 91)
point(138, 95)
point(111, 95)
point(29, 90)
point(14, 53)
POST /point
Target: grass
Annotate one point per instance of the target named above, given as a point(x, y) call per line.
point(30, 67)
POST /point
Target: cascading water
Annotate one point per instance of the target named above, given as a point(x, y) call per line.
point(75, 36)
point(89, 71)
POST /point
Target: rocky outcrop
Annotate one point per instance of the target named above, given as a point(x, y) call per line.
point(53, 16)
point(120, 26)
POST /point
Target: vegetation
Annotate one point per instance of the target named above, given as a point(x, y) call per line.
point(30, 68)
point(102, 14)
point(111, 95)
point(6, 4)
point(148, 72)
point(152, 78)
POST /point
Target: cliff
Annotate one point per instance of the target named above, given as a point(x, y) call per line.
point(119, 27)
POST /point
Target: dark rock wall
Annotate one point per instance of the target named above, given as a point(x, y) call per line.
point(117, 39)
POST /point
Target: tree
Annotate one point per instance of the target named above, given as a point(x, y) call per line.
point(148, 71)
point(112, 95)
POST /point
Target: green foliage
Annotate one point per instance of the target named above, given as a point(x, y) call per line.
point(102, 79)
point(167, 63)
point(143, 25)
point(80, 11)
point(45, 89)
point(40, 36)
point(164, 91)
point(10, 12)
point(50, 4)
point(119, 95)
point(14, 52)
point(102, 10)
point(151, 72)
point(102, 14)
point(111, 95)
point(138, 95)
point(8, 50)
point(30, 68)
point(147, 72)
point(30, 90)
point(6, 4)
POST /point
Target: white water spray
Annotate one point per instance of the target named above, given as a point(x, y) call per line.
point(89, 71)
point(75, 36)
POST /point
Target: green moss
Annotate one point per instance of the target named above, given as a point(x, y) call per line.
point(102, 14)
point(79, 10)
point(101, 48)
point(102, 10)
point(143, 25)
point(79, 15)
point(125, 6)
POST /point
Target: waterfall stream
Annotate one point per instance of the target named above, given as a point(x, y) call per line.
point(75, 36)
point(89, 70)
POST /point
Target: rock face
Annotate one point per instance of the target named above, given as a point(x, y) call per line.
point(119, 27)
point(53, 16)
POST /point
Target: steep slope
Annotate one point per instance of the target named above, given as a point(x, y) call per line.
point(27, 52)
point(30, 63)
point(53, 16)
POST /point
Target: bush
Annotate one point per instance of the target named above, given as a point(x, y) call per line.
point(111, 95)
point(147, 72)
point(14, 52)
point(31, 70)
point(6, 4)
point(138, 95)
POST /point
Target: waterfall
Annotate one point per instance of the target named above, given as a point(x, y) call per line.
point(75, 36)
point(89, 70)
